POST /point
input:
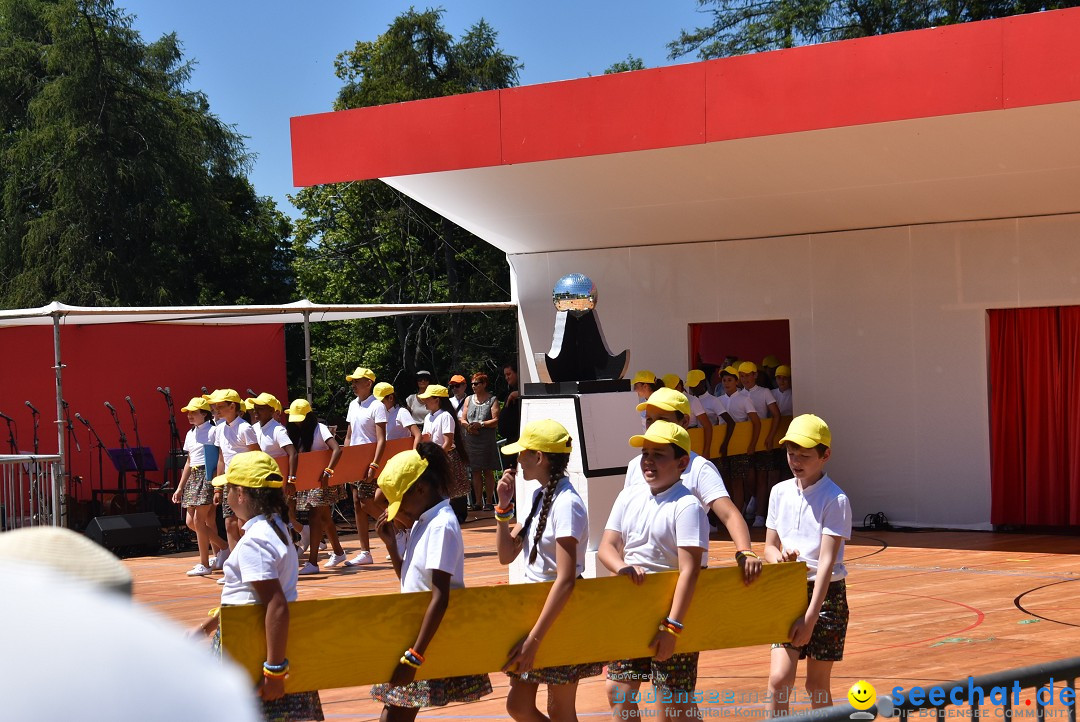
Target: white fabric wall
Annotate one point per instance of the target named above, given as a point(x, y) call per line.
point(888, 336)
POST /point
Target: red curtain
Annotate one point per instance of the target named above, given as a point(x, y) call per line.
point(1034, 409)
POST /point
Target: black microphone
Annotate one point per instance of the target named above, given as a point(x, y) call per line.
point(109, 406)
point(204, 390)
point(31, 407)
point(130, 405)
point(168, 391)
point(162, 391)
point(251, 393)
point(5, 416)
point(84, 421)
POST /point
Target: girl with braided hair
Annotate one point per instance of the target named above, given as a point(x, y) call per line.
point(553, 540)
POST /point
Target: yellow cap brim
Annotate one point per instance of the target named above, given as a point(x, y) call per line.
point(804, 441)
point(297, 418)
point(219, 481)
point(639, 441)
point(514, 448)
point(392, 510)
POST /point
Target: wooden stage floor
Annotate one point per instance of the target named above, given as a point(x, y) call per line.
point(926, 607)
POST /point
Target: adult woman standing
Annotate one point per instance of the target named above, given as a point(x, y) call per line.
point(480, 415)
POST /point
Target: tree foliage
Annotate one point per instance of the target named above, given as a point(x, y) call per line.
point(119, 186)
point(363, 242)
point(624, 66)
point(748, 26)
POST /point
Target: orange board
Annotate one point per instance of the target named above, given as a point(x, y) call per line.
point(352, 466)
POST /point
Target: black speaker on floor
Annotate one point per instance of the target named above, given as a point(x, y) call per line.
point(127, 534)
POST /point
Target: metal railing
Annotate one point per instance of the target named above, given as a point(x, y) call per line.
point(31, 492)
point(1008, 703)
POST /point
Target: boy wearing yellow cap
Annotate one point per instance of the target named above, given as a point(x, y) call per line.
point(367, 425)
point(809, 520)
point(700, 477)
point(656, 527)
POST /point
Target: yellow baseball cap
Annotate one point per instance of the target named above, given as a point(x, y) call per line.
point(671, 380)
point(694, 377)
point(644, 376)
point(783, 370)
point(662, 432)
point(361, 373)
point(731, 371)
point(808, 431)
point(398, 476)
point(770, 361)
point(434, 390)
point(265, 399)
point(668, 400)
point(382, 390)
point(249, 404)
point(253, 469)
point(545, 435)
point(747, 367)
point(198, 403)
point(298, 410)
point(221, 396)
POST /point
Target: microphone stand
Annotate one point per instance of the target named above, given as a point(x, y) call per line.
point(140, 474)
point(174, 440)
point(72, 439)
point(12, 442)
point(37, 422)
point(122, 477)
point(100, 449)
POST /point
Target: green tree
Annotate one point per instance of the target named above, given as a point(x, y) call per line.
point(746, 26)
point(363, 242)
point(119, 186)
point(624, 66)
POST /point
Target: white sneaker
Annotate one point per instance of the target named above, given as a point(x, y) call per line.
point(759, 521)
point(219, 561)
point(305, 538)
point(751, 507)
point(221, 581)
point(336, 559)
point(199, 571)
point(308, 568)
point(362, 557)
point(389, 558)
point(322, 546)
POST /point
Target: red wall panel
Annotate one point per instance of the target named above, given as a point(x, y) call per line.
point(108, 362)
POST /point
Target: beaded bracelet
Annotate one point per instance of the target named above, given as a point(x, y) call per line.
point(373, 465)
point(405, 660)
point(672, 622)
point(740, 555)
point(276, 670)
point(328, 471)
point(504, 518)
point(414, 655)
point(276, 675)
point(291, 479)
point(500, 510)
point(669, 629)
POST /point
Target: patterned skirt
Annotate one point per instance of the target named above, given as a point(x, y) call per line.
point(566, 674)
point(460, 484)
point(197, 489)
point(293, 707)
point(319, 497)
point(433, 692)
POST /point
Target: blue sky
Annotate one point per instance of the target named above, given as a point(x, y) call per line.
point(261, 63)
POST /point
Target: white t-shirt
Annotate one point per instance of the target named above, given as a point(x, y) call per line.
point(783, 401)
point(322, 435)
point(197, 437)
point(738, 406)
point(258, 556)
point(696, 410)
point(439, 424)
point(398, 421)
point(800, 517)
point(760, 398)
point(567, 517)
point(701, 478)
point(653, 527)
point(434, 543)
point(233, 438)
point(273, 438)
point(713, 407)
point(362, 418)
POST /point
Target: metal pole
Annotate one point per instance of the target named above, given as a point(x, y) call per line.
point(59, 513)
point(307, 354)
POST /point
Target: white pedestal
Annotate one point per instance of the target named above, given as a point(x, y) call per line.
point(600, 425)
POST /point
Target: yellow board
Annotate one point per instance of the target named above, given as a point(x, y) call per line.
point(358, 640)
point(740, 438)
point(352, 466)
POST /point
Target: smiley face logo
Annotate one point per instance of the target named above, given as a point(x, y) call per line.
point(862, 695)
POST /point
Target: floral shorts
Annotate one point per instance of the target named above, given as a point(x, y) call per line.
point(433, 692)
point(566, 674)
point(197, 489)
point(735, 469)
point(762, 461)
point(827, 642)
point(319, 497)
point(678, 674)
point(365, 489)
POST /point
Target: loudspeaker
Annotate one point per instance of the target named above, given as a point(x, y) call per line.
point(127, 534)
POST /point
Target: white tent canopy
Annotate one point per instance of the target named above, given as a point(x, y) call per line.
point(298, 312)
point(304, 311)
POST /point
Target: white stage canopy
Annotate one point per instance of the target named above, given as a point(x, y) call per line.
point(298, 312)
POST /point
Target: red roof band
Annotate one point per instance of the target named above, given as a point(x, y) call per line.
point(1013, 62)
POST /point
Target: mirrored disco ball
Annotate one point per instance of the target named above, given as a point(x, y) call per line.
point(574, 292)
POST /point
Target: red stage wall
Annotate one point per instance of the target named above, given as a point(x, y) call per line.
point(110, 361)
point(749, 340)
